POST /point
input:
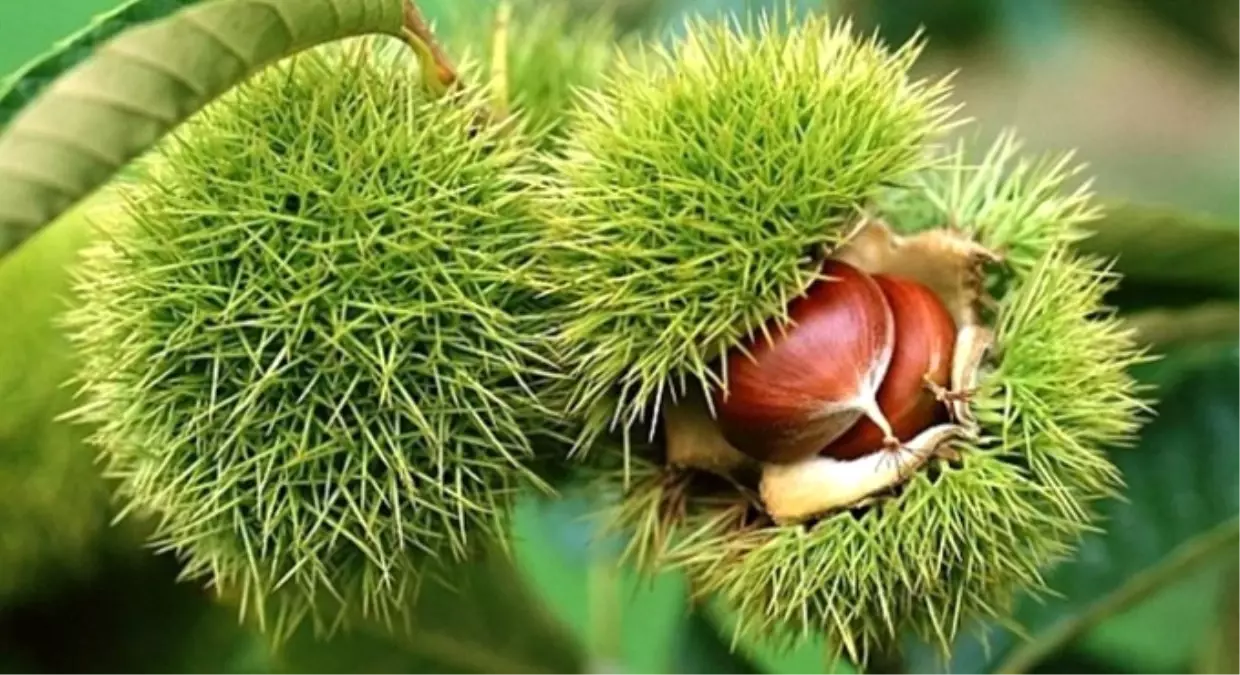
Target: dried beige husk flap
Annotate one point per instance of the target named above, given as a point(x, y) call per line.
point(693, 438)
point(795, 492)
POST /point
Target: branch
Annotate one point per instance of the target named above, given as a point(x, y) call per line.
point(438, 70)
point(1140, 586)
point(1166, 327)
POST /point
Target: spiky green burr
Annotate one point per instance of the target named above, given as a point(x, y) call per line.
point(696, 193)
point(962, 537)
point(309, 346)
point(698, 183)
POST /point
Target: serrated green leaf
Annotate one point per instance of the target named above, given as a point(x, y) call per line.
point(26, 83)
point(1174, 251)
point(1179, 512)
point(93, 120)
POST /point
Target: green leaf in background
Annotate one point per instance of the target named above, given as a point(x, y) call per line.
point(134, 89)
point(21, 87)
point(1178, 516)
point(1167, 257)
point(1175, 627)
point(702, 650)
point(812, 655)
point(633, 623)
point(481, 617)
point(138, 618)
point(53, 503)
point(630, 623)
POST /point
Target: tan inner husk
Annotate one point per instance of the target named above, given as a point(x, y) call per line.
point(947, 262)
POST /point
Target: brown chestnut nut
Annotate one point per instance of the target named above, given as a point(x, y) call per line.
point(800, 386)
point(925, 337)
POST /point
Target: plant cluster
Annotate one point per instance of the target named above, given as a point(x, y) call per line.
point(958, 539)
point(348, 320)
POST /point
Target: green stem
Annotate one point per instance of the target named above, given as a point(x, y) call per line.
point(438, 72)
point(1221, 651)
point(1165, 248)
point(1206, 321)
point(1140, 586)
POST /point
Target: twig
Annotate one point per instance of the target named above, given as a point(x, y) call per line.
point(438, 73)
point(1175, 566)
point(441, 74)
point(1217, 320)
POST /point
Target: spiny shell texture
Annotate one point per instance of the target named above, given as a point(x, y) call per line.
point(960, 537)
point(697, 184)
point(307, 346)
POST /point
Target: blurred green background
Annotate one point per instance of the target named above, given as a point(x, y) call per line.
point(1144, 90)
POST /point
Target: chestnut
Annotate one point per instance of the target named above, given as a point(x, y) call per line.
point(856, 371)
point(925, 337)
point(869, 378)
point(796, 388)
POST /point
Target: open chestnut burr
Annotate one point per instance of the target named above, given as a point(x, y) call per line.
point(866, 380)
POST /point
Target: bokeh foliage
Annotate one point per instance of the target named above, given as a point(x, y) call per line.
point(1188, 448)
